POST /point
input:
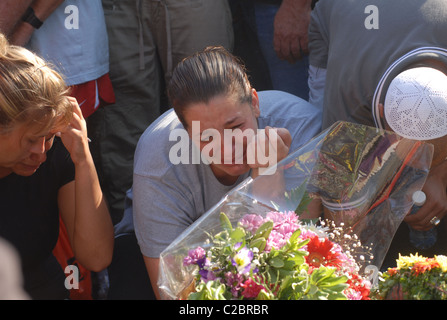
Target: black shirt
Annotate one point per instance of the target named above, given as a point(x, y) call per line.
point(29, 220)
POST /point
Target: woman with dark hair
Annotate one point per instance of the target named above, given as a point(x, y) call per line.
point(194, 154)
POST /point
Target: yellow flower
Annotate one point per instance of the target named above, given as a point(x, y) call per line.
point(408, 261)
point(442, 260)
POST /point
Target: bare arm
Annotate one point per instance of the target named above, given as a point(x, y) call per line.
point(42, 9)
point(436, 205)
point(152, 270)
point(82, 205)
point(11, 12)
point(291, 29)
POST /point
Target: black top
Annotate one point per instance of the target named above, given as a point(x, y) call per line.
point(29, 220)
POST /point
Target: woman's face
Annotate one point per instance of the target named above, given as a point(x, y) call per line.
point(213, 123)
point(24, 148)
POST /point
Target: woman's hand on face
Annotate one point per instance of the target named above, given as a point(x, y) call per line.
point(74, 135)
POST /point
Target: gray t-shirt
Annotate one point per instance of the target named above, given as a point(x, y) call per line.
point(342, 39)
point(167, 197)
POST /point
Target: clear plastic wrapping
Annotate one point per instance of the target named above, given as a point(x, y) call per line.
point(360, 177)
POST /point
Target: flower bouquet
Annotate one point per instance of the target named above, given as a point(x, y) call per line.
point(318, 227)
point(414, 278)
point(276, 257)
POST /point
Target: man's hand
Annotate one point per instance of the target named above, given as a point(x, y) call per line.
point(291, 25)
point(436, 204)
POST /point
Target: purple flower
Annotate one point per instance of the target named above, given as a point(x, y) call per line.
point(234, 282)
point(207, 275)
point(242, 259)
point(196, 256)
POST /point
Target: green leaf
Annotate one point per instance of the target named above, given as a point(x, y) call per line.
point(299, 197)
point(302, 207)
point(298, 258)
point(264, 230)
point(337, 296)
point(264, 295)
point(225, 222)
point(212, 290)
point(294, 237)
point(276, 262)
point(238, 234)
point(333, 281)
point(289, 264)
point(259, 243)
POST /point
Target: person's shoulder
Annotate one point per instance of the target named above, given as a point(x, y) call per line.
point(277, 94)
point(158, 132)
point(275, 103)
point(284, 110)
point(153, 151)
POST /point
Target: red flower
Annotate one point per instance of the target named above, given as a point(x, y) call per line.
point(392, 271)
point(251, 288)
point(322, 253)
point(422, 266)
point(356, 283)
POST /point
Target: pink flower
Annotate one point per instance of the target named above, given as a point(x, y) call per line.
point(234, 281)
point(276, 217)
point(276, 240)
point(307, 234)
point(353, 295)
point(279, 218)
point(286, 229)
point(251, 222)
point(195, 256)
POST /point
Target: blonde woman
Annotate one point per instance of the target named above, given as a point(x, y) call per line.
point(46, 170)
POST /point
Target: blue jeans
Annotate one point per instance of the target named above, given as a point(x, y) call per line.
point(291, 78)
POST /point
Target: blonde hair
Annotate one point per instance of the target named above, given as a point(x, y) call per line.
point(30, 90)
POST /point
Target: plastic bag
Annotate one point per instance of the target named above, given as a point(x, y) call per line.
point(364, 177)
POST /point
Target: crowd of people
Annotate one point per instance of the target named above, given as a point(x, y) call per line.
point(91, 90)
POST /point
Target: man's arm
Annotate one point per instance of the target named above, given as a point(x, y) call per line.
point(290, 29)
point(42, 10)
point(152, 271)
point(11, 11)
point(318, 56)
point(436, 205)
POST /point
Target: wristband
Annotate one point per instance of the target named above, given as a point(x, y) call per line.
point(31, 18)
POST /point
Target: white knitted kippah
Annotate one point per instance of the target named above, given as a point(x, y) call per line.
point(416, 104)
